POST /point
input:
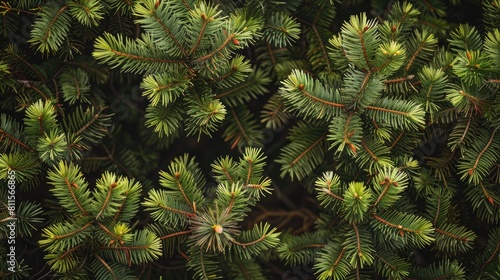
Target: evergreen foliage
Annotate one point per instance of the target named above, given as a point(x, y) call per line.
point(181, 139)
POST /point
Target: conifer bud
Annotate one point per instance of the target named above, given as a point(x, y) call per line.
point(217, 228)
point(352, 148)
point(236, 42)
point(491, 201)
point(301, 86)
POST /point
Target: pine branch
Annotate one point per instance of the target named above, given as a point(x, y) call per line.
point(332, 263)
point(389, 264)
point(13, 54)
point(161, 21)
point(310, 98)
point(241, 129)
point(452, 238)
point(132, 56)
point(397, 113)
point(12, 139)
point(305, 152)
point(51, 28)
point(421, 46)
point(407, 228)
